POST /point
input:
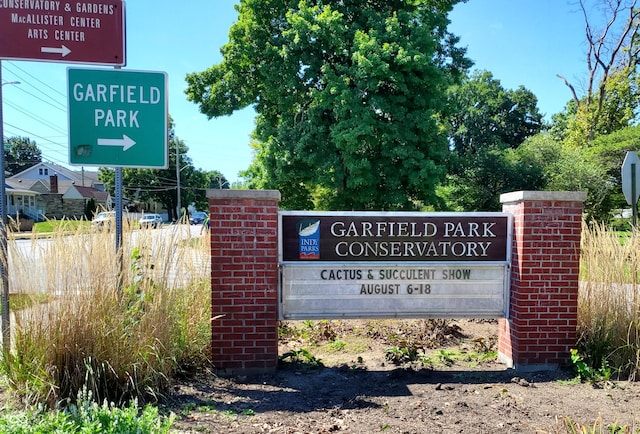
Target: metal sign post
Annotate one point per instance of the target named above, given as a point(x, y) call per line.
point(119, 252)
point(4, 256)
point(634, 196)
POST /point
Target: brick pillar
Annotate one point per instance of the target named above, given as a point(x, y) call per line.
point(244, 279)
point(545, 262)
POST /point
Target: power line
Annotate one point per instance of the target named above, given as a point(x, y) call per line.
point(57, 107)
point(35, 117)
point(34, 135)
point(46, 94)
point(34, 77)
point(30, 83)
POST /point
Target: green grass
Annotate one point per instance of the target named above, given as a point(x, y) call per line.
point(18, 302)
point(52, 226)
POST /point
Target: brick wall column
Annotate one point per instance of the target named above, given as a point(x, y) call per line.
point(244, 279)
point(545, 263)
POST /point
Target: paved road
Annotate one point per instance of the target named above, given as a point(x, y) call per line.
point(44, 263)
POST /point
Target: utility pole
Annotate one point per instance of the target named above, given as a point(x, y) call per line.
point(178, 179)
point(4, 254)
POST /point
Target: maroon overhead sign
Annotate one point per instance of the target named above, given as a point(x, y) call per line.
point(68, 31)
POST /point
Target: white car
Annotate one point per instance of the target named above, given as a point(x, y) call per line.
point(150, 220)
point(104, 219)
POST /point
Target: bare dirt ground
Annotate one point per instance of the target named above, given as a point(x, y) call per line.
point(456, 387)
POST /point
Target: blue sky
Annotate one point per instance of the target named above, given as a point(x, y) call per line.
point(521, 42)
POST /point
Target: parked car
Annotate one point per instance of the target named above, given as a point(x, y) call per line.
point(104, 219)
point(198, 217)
point(150, 220)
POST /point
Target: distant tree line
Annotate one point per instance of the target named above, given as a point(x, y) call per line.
point(20, 153)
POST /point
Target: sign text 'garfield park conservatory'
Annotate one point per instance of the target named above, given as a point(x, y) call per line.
point(393, 264)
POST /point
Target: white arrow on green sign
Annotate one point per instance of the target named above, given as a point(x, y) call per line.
point(117, 118)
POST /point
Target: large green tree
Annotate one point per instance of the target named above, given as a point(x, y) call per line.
point(570, 161)
point(20, 153)
point(487, 115)
point(487, 124)
point(350, 97)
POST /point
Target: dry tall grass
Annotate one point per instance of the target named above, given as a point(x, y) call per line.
point(120, 339)
point(608, 302)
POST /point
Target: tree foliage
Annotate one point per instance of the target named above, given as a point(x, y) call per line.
point(570, 168)
point(487, 124)
point(609, 152)
point(487, 115)
point(596, 128)
point(217, 180)
point(609, 93)
point(616, 110)
point(349, 95)
point(20, 153)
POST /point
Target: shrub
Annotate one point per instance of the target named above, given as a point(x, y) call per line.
point(609, 302)
point(88, 417)
point(121, 335)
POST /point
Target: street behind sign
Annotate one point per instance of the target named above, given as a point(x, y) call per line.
point(117, 118)
point(631, 161)
point(69, 31)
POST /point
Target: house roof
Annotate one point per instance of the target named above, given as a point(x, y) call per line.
point(41, 186)
point(24, 184)
point(92, 193)
point(88, 177)
point(12, 190)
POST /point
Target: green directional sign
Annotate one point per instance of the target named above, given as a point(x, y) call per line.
point(117, 118)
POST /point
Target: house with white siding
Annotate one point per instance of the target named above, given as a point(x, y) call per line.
point(48, 190)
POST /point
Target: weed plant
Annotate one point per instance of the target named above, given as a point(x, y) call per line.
point(86, 416)
point(609, 302)
point(598, 427)
point(119, 326)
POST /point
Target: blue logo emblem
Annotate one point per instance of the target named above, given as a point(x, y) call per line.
point(309, 239)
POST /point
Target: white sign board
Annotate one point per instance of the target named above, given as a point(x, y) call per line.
point(394, 290)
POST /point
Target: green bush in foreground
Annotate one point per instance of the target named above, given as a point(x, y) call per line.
point(88, 417)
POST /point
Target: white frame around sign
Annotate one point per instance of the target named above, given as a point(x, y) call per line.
point(340, 300)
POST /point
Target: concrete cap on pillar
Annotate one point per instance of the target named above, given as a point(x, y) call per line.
point(564, 196)
point(222, 193)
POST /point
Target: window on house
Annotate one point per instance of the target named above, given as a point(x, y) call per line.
point(43, 171)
